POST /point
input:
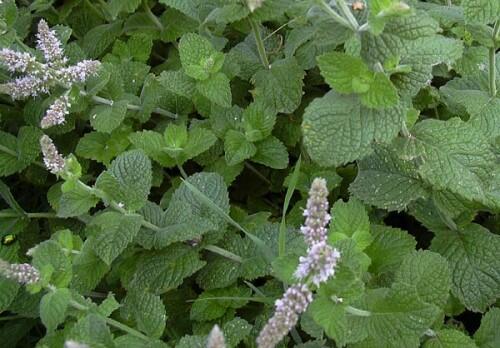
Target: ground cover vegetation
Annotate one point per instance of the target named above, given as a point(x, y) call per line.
point(250, 173)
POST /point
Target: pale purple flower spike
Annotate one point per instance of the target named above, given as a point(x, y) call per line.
point(52, 159)
point(23, 273)
point(79, 72)
point(26, 86)
point(316, 213)
point(56, 113)
point(16, 61)
point(316, 267)
point(319, 263)
point(288, 309)
point(49, 44)
point(216, 338)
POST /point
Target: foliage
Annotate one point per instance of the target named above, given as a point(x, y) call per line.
point(181, 138)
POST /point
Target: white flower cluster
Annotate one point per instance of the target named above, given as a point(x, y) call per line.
point(317, 267)
point(23, 273)
point(38, 78)
point(254, 4)
point(216, 338)
point(287, 311)
point(52, 159)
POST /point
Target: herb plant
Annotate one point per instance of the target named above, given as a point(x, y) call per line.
point(250, 173)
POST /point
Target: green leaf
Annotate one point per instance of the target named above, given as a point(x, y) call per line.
point(147, 310)
point(128, 180)
point(76, 201)
point(338, 130)
point(116, 6)
point(450, 338)
point(91, 330)
point(18, 153)
point(488, 336)
point(200, 140)
point(454, 157)
point(236, 331)
point(164, 270)
point(9, 199)
point(186, 217)
point(8, 292)
point(237, 148)
point(198, 57)
point(258, 120)
point(105, 118)
point(350, 220)
point(152, 143)
point(53, 308)
point(88, 269)
point(471, 252)
point(272, 153)
point(280, 86)
point(212, 304)
point(98, 39)
point(427, 274)
point(52, 262)
point(387, 181)
point(347, 74)
point(481, 11)
point(115, 232)
point(102, 147)
point(216, 89)
point(388, 248)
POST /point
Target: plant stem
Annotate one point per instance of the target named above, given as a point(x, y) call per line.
point(183, 172)
point(492, 61)
point(493, 72)
point(14, 153)
point(260, 44)
point(259, 174)
point(42, 216)
point(336, 17)
point(357, 312)
point(112, 322)
point(348, 14)
point(223, 252)
point(152, 16)
point(404, 130)
point(109, 102)
point(146, 224)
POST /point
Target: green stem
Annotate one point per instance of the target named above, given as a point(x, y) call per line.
point(183, 172)
point(430, 333)
point(14, 153)
point(260, 44)
point(152, 16)
point(336, 17)
point(493, 72)
point(259, 174)
point(146, 224)
point(404, 130)
point(348, 14)
point(109, 102)
point(357, 312)
point(11, 317)
point(492, 61)
point(223, 252)
point(42, 216)
point(111, 322)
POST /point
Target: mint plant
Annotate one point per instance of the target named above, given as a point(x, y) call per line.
point(249, 173)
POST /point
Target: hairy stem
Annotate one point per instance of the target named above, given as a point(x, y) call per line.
point(109, 102)
point(344, 9)
point(357, 312)
point(223, 252)
point(492, 62)
point(260, 44)
point(152, 16)
point(146, 224)
point(336, 17)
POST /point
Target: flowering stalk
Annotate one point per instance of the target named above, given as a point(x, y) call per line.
point(216, 338)
point(52, 159)
point(56, 113)
point(23, 273)
point(315, 268)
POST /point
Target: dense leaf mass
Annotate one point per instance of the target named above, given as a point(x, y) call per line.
point(250, 173)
